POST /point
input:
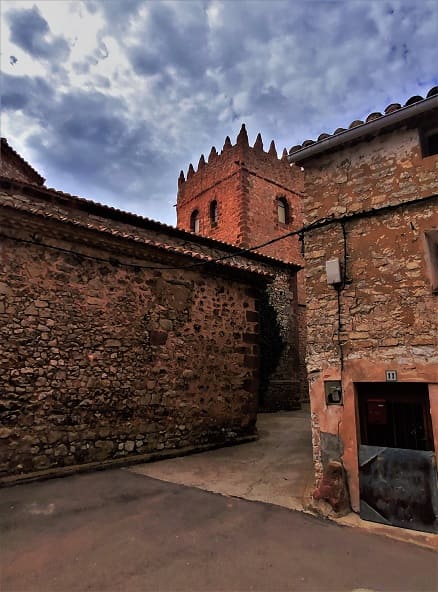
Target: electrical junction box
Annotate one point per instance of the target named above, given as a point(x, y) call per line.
point(333, 392)
point(333, 272)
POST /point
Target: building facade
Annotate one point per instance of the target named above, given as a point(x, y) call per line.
point(370, 241)
point(247, 196)
point(122, 339)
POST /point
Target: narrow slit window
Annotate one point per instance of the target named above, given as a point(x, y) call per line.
point(213, 213)
point(194, 221)
point(282, 210)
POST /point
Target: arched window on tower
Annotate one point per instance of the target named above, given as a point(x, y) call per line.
point(194, 221)
point(283, 210)
point(213, 213)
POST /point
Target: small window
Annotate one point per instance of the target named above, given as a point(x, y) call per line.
point(432, 257)
point(429, 141)
point(213, 213)
point(282, 210)
point(194, 221)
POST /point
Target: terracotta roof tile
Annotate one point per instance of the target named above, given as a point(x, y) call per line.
point(231, 263)
point(235, 261)
point(371, 117)
point(6, 146)
point(105, 211)
point(392, 107)
point(355, 123)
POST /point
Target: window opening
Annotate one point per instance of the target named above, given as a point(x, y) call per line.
point(282, 210)
point(194, 221)
point(429, 141)
point(213, 213)
point(432, 257)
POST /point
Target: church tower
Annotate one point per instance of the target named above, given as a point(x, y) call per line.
point(244, 196)
point(247, 196)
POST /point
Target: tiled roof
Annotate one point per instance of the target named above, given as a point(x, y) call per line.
point(112, 213)
point(6, 146)
point(324, 138)
point(78, 204)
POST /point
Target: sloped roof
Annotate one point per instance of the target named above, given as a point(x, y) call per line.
point(100, 216)
point(394, 113)
point(7, 148)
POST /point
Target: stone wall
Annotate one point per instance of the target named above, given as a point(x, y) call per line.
point(246, 182)
point(383, 316)
point(104, 359)
point(280, 362)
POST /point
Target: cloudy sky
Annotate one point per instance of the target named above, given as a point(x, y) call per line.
point(110, 99)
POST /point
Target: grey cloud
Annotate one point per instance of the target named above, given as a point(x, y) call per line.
point(91, 6)
point(87, 141)
point(83, 67)
point(102, 81)
point(100, 53)
point(18, 92)
point(288, 69)
point(31, 32)
point(169, 41)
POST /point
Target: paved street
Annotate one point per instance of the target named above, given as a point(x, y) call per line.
point(277, 468)
point(116, 530)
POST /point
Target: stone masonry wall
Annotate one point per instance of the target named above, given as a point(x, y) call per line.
point(387, 297)
point(280, 369)
point(387, 305)
point(384, 315)
point(386, 170)
point(219, 180)
point(246, 182)
point(105, 360)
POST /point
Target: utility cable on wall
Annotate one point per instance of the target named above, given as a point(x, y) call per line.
point(322, 222)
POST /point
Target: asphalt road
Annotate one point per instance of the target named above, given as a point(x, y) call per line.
point(116, 530)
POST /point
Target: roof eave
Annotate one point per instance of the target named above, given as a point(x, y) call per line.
point(367, 129)
point(110, 212)
point(39, 179)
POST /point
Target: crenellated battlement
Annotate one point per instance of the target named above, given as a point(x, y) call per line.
point(248, 195)
point(232, 159)
point(236, 196)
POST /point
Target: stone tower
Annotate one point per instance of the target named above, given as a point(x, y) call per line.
point(247, 196)
point(244, 196)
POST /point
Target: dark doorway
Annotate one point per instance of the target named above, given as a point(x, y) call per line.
point(397, 465)
point(395, 415)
